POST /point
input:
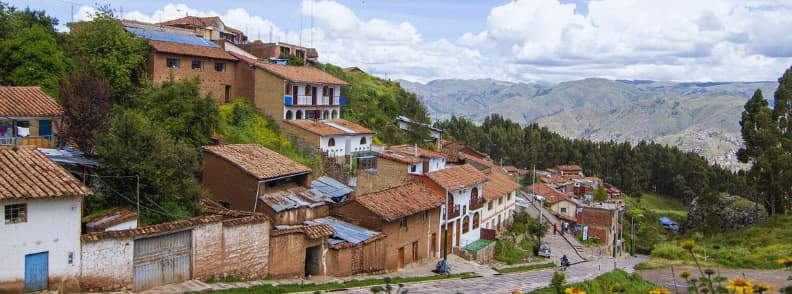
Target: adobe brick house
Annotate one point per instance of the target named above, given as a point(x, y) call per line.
point(396, 165)
point(408, 215)
point(601, 223)
point(274, 50)
point(28, 116)
point(185, 57)
point(300, 250)
point(237, 175)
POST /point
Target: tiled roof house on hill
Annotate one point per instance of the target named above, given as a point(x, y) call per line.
point(463, 189)
point(405, 214)
point(40, 228)
point(28, 116)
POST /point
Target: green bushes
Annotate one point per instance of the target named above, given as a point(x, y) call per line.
point(603, 284)
point(668, 251)
point(506, 252)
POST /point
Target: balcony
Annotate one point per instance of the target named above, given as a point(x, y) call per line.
point(477, 204)
point(453, 212)
point(290, 100)
point(38, 141)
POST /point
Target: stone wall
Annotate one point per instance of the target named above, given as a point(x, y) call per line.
point(207, 251)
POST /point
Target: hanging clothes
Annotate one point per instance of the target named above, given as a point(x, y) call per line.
point(23, 132)
point(3, 130)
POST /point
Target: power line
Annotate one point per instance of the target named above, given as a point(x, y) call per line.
point(162, 211)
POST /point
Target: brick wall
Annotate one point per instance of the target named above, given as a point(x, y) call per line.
point(212, 81)
point(269, 92)
point(227, 183)
point(288, 258)
point(107, 265)
point(389, 174)
point(246, 250)
point(363, 258)
point(301, 134)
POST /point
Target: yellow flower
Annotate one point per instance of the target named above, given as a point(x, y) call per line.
point(787, 262)
point(517, 292)
point(687, 244)
point(572, 290)
point(685, 274)
point(660, 291)
point(761, 288)
point(740, 286)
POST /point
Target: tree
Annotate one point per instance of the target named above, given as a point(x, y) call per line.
point(12, 21)
point(292, 59)
point(600, 195)
point(87, 103)
point(105, 49)
point(32, 58)
point(135, 146)
point(181, 111)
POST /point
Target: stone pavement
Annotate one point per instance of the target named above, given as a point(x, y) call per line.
point(559, 245)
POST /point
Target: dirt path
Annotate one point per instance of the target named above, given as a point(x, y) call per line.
point(777, 278)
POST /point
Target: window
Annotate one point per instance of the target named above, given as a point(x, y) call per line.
point(403, 222)
point(225, 204)
point(172, 62)
point(219, 66)
point(424, 216)
point(475, 221)
point(15, 213)
point(331, 142)
point(299, 114)
point(289, 114)
point(509, 196)
point(334, 114)
point(326, 115)
point(563, 209)
point(500, 200)
point(465, 225)
point(474, 196)
point(489, 205)
point(197, 65)
point(450, 207)
point(227, 93)
point(413, 168)
point(288, 89)
point(363, 141)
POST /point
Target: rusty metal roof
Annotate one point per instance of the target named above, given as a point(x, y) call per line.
point(293, 196)
point(28, 173)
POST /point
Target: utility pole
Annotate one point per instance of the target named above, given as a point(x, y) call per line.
point(137, 192)
point(632, 239)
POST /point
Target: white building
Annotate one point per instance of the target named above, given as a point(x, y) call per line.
point(336, 137)
point(463, 187)
point(40, 229)
point(430, 160)
point(500, 191)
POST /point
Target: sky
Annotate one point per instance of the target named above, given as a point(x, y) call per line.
point(524, 40)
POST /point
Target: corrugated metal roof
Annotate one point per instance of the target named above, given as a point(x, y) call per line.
point(68, 156)
point(158, 35)
point(344, 231)
point(294, 197)
point(330, 187)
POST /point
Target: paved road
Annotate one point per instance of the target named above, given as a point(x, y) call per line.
point(527, 281)
point(558, 245)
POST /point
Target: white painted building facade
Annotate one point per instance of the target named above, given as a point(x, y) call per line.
point(499, 211)
point(49, 227)
point(345, 144)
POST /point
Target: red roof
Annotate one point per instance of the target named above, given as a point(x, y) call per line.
point(27, 173)
point(453, 177)
point(411, 150)
point(330, 127)
point(551, 194)
point(257, 160)
point(498, 185)
point(401, 201)
point(27, 102)
point(191, 50)
point(302, 74)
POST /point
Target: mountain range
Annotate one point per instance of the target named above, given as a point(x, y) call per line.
point(701, 117)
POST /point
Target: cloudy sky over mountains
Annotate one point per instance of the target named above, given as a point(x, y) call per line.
point(527, 40)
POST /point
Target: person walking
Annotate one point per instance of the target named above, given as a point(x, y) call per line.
point(555, 228)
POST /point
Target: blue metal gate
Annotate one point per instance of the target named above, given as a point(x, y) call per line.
point(36, 271)
point(162, 260)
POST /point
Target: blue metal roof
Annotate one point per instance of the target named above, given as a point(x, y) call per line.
point(345, 232)
point(158, 35)
point(68, 156)
point(330, 187)
point(666, 221)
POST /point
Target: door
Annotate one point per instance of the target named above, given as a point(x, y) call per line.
point(449, 237)
point(330, 93)
point(400, 258)
point(295, 95)
point(414, 251)
point(458, 225)
point(162, 260)
point(433, 247)
point(312, 255)
point(45, 127)
point(36, 271)
point(313, 96)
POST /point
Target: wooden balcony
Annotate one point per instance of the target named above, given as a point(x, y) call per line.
point(38, 141)
point(477, 204)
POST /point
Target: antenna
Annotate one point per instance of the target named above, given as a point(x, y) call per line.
point(270, 34)
point(312, 25)
point(299, 40)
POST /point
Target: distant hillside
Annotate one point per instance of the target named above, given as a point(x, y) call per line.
point(693, 116)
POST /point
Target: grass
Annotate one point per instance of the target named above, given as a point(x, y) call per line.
point(647, 213)
point(478, 245)
point(290, 288)
point(507, 252)
point(525, 268)
point(605, 283)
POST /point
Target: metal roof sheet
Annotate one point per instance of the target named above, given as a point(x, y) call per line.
point(345, 231)
point(330, 187)
point(294, 197)
point(158, 35)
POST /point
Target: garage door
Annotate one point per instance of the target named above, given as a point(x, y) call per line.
point(162, 260)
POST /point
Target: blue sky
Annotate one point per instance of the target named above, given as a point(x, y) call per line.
point(523, 40)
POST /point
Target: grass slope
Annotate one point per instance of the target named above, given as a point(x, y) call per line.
point(291, 288)
point(603, 284)
point(647, 213)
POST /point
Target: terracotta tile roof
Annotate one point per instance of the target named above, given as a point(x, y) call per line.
point(330, 127)
point(480, 163)
point(108, 219)
point(313, 231)
point(398, 157)
point(257, 161)
point(27, 101)
point(28, 173)
point(571, 167)
point(153, 229)
point(407, 149)
point(593, 179)
point(510, 168)
point(256, 219)
point(193, 20)
point(192, 50)
point(453, 177)
point(498, 185)
point(302, 74)
point(554, 180)
point(401, 201)
point(549, 193)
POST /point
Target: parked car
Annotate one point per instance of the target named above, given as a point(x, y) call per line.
point(544, 250)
